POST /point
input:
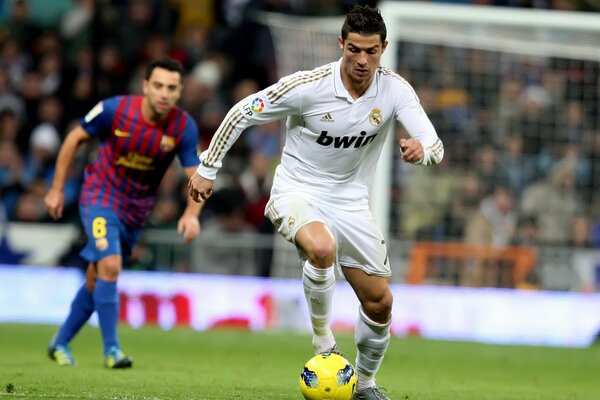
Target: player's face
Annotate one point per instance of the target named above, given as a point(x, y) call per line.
point(162, 90)
point(362, 55)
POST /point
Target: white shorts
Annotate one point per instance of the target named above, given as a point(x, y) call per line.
point(360, 243)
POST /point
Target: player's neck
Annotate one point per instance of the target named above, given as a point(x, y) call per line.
point(148, 113)
point(355, 90)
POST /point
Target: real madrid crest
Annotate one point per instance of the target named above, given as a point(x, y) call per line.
point(376, 118)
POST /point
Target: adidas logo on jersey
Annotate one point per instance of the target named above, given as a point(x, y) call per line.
point(327, 118)
point(345, 142)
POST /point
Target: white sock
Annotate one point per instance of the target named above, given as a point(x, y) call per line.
point(372, 340)
point(319, 284)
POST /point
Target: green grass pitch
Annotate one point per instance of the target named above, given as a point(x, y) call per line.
point(224, 364)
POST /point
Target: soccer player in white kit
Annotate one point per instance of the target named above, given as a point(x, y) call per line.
point(337, 118)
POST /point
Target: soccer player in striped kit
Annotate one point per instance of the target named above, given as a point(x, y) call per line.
point(139, 138)
point(337, 118)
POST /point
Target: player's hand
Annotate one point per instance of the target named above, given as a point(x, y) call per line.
point(200, 188)
point(188, 226)
point(412, 150)
point(55, 202)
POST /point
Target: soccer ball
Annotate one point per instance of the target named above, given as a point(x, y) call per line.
point(327, 376)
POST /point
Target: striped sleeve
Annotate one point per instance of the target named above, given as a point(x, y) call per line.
point(271, 104)
point(230, 129)
point(433, 154)
point(412, 116)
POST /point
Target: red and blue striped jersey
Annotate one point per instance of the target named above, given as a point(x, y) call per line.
point(133, 156)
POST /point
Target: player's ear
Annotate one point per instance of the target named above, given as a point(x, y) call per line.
point(384, 46)
point(341, 42)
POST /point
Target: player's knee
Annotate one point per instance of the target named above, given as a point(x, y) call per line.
point(379, 308)
point(109, 268)
point(322, 255)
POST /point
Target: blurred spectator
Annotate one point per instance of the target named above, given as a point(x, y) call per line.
point(48, 14)
point(493, 224)
point(243, 89)
point(554, 203)
point(9, 100)
point(43, 148)
point(133, 30)
point(591, 194)
point(487, 167)
point(112, 74)
point(14, 60)
point(516, 168)
point(256, 181)
point(245, 42)
point(426, 194)
point(224, 215)
point(11, 176)
point(169, 202)
point(265, 139)
point(527, 232)
point(18, 25)
point(534, 122)
point(507, 108)
point(465, 201)
point(195, 44)
point(580, 232)
point(10, 127)
point(50, 68)
point(228, 205)
point(30, 205)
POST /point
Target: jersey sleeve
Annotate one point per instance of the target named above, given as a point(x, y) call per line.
point(412, 116)
point(100, 117)
point(188, 151)
point(271, 104)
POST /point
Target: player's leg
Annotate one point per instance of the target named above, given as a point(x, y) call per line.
point(106, 300)
point(372, 332)
point(317, 243)
point(366, 267)
point(303, 225)
point(105, 248)
point(82, 308)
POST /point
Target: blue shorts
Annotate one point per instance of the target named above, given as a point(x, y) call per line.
point(106, 233)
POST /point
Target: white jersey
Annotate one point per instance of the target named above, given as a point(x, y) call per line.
point(333, 142)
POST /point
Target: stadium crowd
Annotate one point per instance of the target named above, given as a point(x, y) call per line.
point(523, 146)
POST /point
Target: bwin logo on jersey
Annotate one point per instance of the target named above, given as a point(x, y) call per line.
point(345, 142)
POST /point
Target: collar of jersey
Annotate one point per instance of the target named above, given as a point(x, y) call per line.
point(341, 91)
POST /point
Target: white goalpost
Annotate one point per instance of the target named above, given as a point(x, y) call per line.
point(510, 34)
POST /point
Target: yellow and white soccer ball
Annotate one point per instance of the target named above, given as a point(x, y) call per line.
point(327, 376)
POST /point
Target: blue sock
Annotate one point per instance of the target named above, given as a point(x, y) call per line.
point(82, 308)
point(106, 301)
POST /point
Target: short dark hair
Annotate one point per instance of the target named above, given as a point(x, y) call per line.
point(364, 20)
point(169, 64)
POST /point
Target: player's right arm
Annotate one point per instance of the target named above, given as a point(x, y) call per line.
point(55, 198)
point(270, 104)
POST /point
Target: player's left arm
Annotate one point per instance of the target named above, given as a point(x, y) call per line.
point(423, 147)
point(189, 223)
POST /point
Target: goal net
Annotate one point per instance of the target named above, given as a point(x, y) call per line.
point(513, 94)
